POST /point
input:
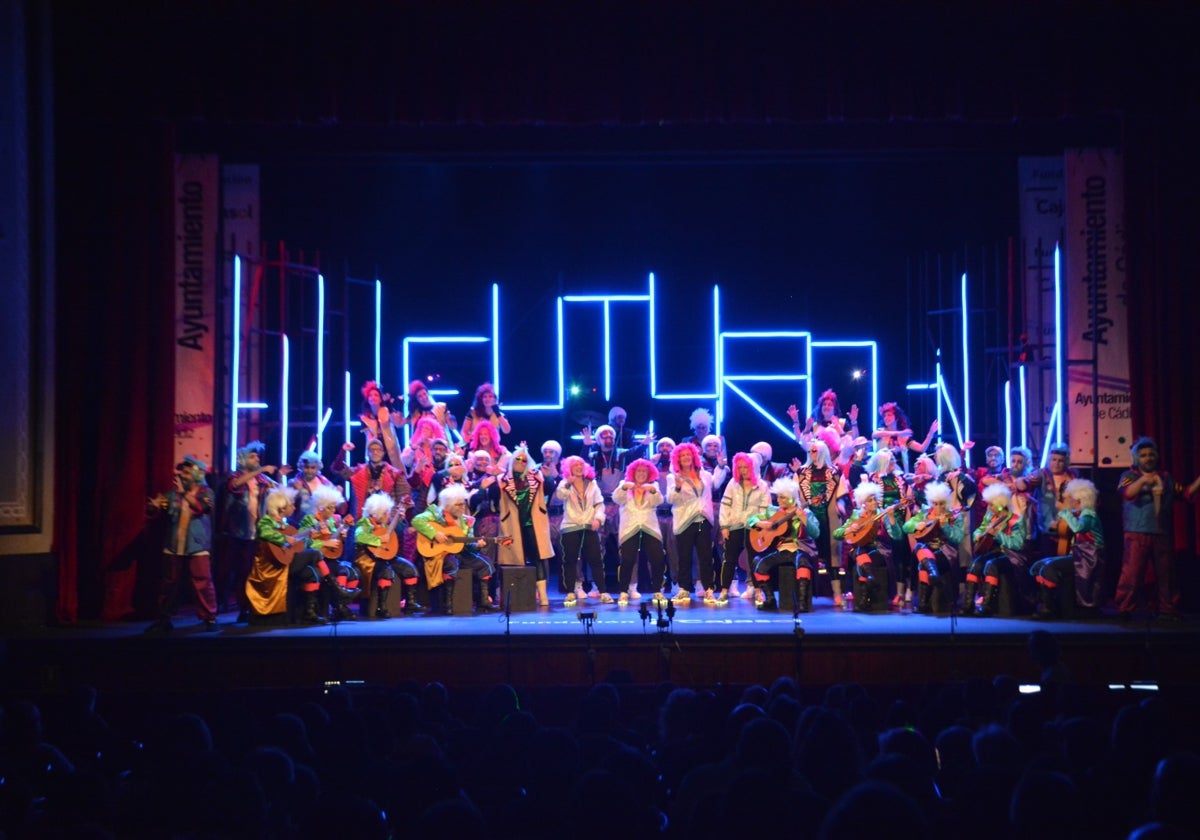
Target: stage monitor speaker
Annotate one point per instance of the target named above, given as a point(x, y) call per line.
point(464, 588)
point(517, 588)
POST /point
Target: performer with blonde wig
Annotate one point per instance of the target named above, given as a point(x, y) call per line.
point(998, 547)
point(792, 552)
point(582, 519)
point(821, 486)
point(378, 575)
point(267, 583)
point(638, 498)
point(937, 530)
point(1083, 566)
point(868, 528)
point(524, 520)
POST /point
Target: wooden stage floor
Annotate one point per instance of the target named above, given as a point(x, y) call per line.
point(700, 646)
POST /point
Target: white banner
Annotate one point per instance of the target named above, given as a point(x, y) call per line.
point(1096, 336)
point(196, 232)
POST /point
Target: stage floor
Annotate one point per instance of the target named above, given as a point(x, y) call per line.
point(700, 646)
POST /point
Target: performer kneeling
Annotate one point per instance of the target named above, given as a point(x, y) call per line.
point(938, 530)
point(278, 546)
point(870, 533)
point(376, 543)
point(999, 540)
point(793, 552)
point(447, 542)
point(1085, 560)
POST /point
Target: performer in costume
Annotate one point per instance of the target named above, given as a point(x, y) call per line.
point(189, 506)
point(1084, 565)
point(374, 476)
point(793, 552)
point(871, 532)
point(1149, 495)
point(883, 470)
point(244, 504)
point(485, 437)
point(420, 405)
point(549, 469)
point(310, 478)
point(826, 414)
point(1052, 500)
point(690, 495)
point(441, 523)
point(378, 575)
point(897, 435)
point(713, 460)
point(638, 498)
point(746, 495)
point(523, 519)
point(267, 583)
point(950, 471)
point(483, 502)
point(335, 571)
point(583, 517)
point(376, 418)
point(938, 530)
point(820, 487)
point(662, 462)
point(453, 471)
point(999, 547)
point(485, 407)
point(700, 422)
point(609, 463)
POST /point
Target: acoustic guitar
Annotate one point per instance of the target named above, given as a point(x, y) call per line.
point(427, 547)
point(285, 554)
point(1065, 536)
point(763, 534)
point(389, 543)
point(987, 540)
point(861, 530)
point(331, 548)
point(927, 525)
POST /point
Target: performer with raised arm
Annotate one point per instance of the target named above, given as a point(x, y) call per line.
point(870, 533)
point(376, 419)
point(377, 559)
point(998, 548)
point(485, 407)
point(448, 543)
point(792, 551)
point(897, 435)
point(1083, 565)
point(820, 488)
point(279, 547)
point(583, 517)
point(1149, 495)
point(690, 495)
point(524, 519)
point(374, 476)
point(189, 506)
point(638, 498)
point(938, 530)
point(746, 495)
point(826, 414)
point(244, 504)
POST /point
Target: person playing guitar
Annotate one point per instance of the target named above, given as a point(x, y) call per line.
point(1084, 560)
point(327, 532)
point(376, 543)
point(871, 526)
point(999, 540)
point(447, 542)
point(279, 546)
point(937, 530)
point(787, 533)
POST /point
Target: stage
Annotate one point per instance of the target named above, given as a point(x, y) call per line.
point(699, 646)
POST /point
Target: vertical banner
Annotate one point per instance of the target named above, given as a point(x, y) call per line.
point(1097, 337)
point(1042, 200)
point(196, 205)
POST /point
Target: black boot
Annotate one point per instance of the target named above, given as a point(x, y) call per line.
point(410, 599)
point(924, 597)
point(481, 603)
point(990, 593)
point(448, 597)
point(1045, 609)
point(804, 594)
point(969, 590)
point(381, 600)
point(311, 616)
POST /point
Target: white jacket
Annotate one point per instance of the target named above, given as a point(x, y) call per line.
point(739, 504)
point(638, 515)
point(580, 511)
point(690, 503)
